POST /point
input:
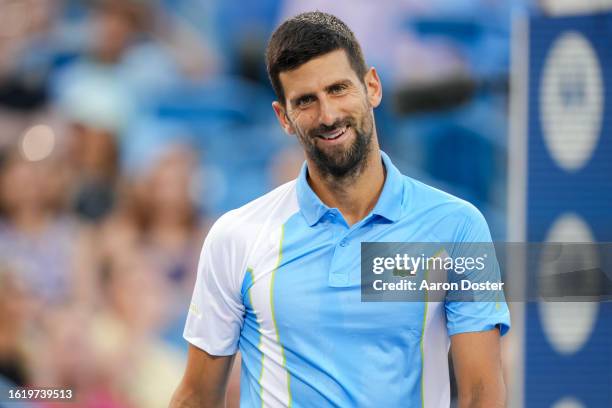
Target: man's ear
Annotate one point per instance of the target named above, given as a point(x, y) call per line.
point(373, 87)
point(281, 115)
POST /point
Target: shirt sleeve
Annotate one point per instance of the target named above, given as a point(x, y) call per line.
point(216, 311)
point(476, 311)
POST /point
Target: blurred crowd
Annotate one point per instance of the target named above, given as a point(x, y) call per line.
point(96, 264)
point(128, 126)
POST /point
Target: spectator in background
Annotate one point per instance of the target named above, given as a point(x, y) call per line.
point(158, 216)
point(64, 357)
point(166, 215)
point(116, 25)
point(125, 334)
point(132, 34)
point(134, 49)
point(94, 159)
point(48, 247)
point(27, 48)
point(159, 212)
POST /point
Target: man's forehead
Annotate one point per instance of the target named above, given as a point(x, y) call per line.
point(317, 74)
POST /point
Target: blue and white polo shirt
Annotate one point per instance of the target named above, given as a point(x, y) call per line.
point(279, 279)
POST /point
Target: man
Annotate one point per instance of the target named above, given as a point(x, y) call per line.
point(279, 278)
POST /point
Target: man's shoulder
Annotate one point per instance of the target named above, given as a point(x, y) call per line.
point(428, 200)
point(263, 213)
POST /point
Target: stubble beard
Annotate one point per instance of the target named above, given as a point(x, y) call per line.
point(340, 165)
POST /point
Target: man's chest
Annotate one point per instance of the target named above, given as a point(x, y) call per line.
point(311, 286)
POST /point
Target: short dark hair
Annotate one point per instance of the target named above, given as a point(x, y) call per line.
point(307, 36)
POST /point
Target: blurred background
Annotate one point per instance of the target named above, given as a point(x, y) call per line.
point(128, 126)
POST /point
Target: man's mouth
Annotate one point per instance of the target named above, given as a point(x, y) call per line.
point(334, 134)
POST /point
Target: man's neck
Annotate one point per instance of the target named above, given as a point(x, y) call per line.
point(354, 197)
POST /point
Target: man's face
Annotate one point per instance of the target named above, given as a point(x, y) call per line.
point(330, 110)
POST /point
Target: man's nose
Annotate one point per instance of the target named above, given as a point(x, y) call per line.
point(328, 112)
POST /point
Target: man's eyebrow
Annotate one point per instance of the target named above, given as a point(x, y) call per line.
point(345, 82)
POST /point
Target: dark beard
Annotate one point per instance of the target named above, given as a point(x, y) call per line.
point(341, 165)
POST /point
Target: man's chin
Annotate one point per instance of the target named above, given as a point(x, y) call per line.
point(338, 165)
point(340, 159)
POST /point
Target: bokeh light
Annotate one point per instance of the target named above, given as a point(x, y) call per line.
point(37, 142)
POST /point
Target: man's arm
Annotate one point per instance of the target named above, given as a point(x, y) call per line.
point(477, 361)
point(204, 382)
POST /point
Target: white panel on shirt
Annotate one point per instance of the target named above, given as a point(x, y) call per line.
point(246, 238)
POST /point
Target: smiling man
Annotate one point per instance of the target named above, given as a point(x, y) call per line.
point(279, 279)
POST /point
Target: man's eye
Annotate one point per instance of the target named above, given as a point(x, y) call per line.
point(304, 101)
point(337, 89)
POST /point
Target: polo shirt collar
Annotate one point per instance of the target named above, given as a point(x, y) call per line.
point(389, 203)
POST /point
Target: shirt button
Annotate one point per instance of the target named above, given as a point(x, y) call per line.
point(343, 243)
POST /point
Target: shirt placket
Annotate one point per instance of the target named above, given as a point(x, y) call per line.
point(345, 239)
